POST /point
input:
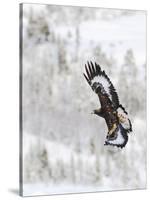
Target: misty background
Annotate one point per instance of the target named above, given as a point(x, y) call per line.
point(63, 149)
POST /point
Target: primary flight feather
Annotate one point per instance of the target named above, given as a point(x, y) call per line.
point(115, 115)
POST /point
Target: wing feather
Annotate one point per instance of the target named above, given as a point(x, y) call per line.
point(96, 75)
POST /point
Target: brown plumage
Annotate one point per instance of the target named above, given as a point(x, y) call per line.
point(114, 114)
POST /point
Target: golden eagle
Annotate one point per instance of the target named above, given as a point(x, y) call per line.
point(115, 115)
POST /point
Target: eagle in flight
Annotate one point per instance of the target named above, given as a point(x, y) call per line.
point(115, 115)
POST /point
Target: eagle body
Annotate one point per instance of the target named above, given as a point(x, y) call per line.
point(115, 115)
point(107, 111)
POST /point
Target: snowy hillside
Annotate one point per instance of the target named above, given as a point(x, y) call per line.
point(66, 170)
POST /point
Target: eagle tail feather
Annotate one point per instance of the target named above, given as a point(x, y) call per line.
point(120, 139)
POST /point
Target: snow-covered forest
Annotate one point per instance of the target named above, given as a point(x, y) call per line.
point(63, 149)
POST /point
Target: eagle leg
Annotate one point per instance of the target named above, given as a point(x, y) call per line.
point(112, 130)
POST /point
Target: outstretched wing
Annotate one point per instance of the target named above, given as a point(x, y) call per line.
point(95, 76)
